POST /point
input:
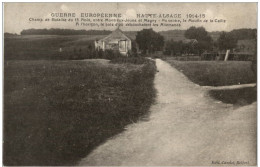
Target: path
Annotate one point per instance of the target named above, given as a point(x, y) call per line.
point(185, 128)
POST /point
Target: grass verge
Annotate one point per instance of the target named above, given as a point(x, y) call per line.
point(239, 97)
point(56, 112)
point(216, 73)
point(131, 60)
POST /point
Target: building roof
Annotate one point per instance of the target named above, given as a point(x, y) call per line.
point(117, 34)
point(192, 41)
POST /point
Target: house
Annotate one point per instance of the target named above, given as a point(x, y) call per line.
point(117, 40)
point(192, 42)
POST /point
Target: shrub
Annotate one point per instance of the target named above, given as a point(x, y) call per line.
point(112, 54)
point(131, 60)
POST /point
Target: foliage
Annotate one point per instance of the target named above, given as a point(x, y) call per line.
point(179, 47)
point(57, 31)
point(205, 41)
point(131, 60)
point(57, 112)
point(150, 40)
point(241, 34)
point(174, 47)
point(199, 33)
point(226, 41)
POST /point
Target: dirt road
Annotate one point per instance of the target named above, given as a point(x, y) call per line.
point(185, 127)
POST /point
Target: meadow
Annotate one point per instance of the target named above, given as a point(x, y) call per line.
point(56, 112)
point(47, 47)
point(216, 73)
point(220, 73)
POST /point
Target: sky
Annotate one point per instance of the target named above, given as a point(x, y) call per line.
point(237, 15)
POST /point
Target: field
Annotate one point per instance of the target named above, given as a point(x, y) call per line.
point(56, 112)
point(216, 73)
point(47, 47)
point(220, 73)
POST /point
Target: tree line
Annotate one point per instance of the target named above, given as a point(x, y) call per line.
point(226, 40)
point(57, 31)
point(150, 41)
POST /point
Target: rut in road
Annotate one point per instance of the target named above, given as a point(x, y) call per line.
point(185, 127)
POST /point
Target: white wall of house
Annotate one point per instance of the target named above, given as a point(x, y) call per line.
point(115, 41)
point(123, 45)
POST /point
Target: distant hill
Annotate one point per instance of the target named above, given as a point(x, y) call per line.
point(6, 34)
point(57, 31)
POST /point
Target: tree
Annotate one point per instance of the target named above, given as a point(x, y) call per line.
point(147, 39)
point(226, 41)
point(174, 47)
point(200, 34)
point(244, 33)
point(205, 41)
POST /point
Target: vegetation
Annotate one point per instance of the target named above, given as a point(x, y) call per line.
point(57, 31)
point(147, 39)
point(240, 97)
point(216, 73)
point(131, 60)
point(6, 34)
point(52, 47)
point(200, 35)
point(177, 48)
point(226, 41)
point(47, 47)
point(205, 41)
point(56, 112)
point(244, 33)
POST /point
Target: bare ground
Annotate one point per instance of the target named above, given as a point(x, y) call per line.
point(185, 127)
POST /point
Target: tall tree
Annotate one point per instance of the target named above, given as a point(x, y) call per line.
point(175, 47)
point(226, 41)
point(205, 41)
point(147, 39)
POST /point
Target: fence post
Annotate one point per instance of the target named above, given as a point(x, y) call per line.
point(227, 54)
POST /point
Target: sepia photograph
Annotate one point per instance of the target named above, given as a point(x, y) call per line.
point(129, 83)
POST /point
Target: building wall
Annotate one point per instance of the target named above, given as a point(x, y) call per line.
point(120, 45)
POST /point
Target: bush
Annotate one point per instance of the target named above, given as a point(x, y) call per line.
point(95, 54)
point(131, 60)
point(111, 54)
